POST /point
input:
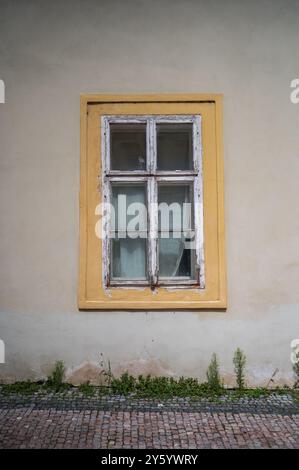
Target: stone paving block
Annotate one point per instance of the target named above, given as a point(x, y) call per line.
point(20, 429)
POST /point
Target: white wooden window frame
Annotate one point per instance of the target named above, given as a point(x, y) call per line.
point(151, 176)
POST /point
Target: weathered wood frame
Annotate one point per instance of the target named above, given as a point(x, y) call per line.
point(92, 291)
point(152, 176)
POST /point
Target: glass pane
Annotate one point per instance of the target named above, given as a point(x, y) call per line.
point(176, 256)
point(174, 147)
point(175, 206)
point(129, 258)
point(129, 247)
point(128, 146)
point(129, 203)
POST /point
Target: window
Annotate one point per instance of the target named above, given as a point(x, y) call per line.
point(151, 225)
point(152, 167)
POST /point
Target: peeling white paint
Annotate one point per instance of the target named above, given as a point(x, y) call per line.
point(151, 176)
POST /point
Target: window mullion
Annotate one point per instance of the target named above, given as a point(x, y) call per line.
point(153, 230)
point(152, 204)
point(151, 145)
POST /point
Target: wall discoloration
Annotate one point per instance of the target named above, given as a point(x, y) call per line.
point(144, 366)
point(87, 372)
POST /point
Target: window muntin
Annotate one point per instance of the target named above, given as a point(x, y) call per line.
point(171, 169)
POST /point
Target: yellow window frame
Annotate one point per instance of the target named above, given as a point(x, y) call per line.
point(92, 294)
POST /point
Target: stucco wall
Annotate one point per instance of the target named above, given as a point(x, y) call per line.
point(49, 54)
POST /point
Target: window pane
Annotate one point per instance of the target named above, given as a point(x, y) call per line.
point(175, 206)
point(176, 234)
point(128, 146)
point(176, 256)
point(174, 147)
point(129, 258)
point(129, 203)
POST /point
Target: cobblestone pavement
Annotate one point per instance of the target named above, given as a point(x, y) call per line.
point(76, 421)
point(74, 400)
point(31, 428)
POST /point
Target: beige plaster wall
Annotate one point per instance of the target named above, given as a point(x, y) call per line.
point(50, 52)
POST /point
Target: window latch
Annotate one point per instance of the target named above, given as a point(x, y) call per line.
point(153, 281)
